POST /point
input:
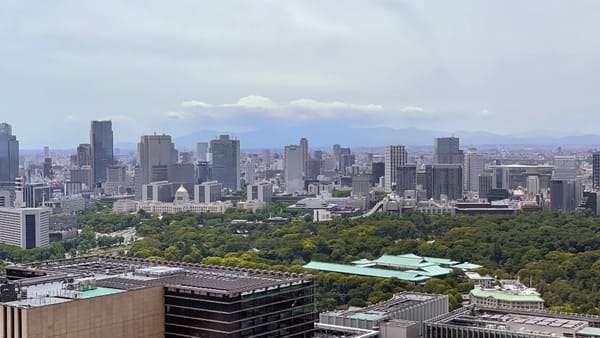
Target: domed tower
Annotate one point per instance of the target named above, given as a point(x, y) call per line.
point(181, 195)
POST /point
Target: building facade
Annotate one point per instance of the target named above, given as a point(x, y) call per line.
point(9, 154)
point(394, 157)
point(101, 143)
point(26, 228)
point(226, 161)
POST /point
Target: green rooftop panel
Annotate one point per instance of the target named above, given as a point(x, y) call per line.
point(505, 296)
point(365, 271)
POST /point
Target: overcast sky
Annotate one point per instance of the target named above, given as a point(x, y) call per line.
point(508, 67)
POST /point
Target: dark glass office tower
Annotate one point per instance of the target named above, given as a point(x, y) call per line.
point(226, 161)
point(101, 140)
point(9, 154)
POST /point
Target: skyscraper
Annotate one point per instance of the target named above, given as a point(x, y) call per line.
point(473, 167)
point(101, 142)
point(293, 166)
point(447, 151)
point(9, 154)
point(395, 156)
point(596, 169)
point(226, 161)
point(565, 168)
point(84, 154)
point(447, 180)
point(406, 178)
point(202, 151)
point(305, 155)
point(155, 154)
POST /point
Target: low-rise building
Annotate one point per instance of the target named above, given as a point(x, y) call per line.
point(510, 294)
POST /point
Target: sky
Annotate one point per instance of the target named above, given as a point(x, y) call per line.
point(179, 67)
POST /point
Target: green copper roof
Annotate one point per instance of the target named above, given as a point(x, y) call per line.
point(505, 296)
point(467, 266)
point(590, 331)
point(365, 271)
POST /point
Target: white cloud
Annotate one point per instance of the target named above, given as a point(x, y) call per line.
point(179, 115)
point(335, 105)
point(412, 109)
point(195, 104)
point(253, 101)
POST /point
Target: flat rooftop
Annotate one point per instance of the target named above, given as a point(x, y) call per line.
point(51, 281)
point(378, 311)
point(521, 321)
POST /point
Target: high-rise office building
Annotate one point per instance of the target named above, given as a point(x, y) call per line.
point(533, 185)
point(202, 151)
point(155, 154)
point(9, 154)
point(447, 180)
point(563, 195)
point(337, 149)
point(473, 167)
point(293, 167)
point(101, 142)
point(261, 191)
point(565, 168)
point(485, 185)
point(447, 151)
point(377, 171)
point(226, 161)
point(395, 156)
point(406, 178)
point(26, 228)
point(305, 155)
point(596, 169)
point(84, 154)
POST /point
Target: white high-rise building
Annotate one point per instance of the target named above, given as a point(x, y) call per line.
point(395, 156)
point(533, 185)
point(208, 192)
point(293, 168)
point(473, 167)
point(202, 151)
point(26, 228)
point(565, 168)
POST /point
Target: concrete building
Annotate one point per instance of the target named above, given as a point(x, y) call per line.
point(129, 297)
point(26, 228)
point(202, 151)
point(293, 169)
point(84, 154)
point(447, 151)
point(226, 161)
point(473, 167)
point(116, 180)
point(485, 185)
point(361, 187)
point(261, 191)
point(9, 154)
point(408, 306)
point(533, 186)
point(565, 168)
point(66, 204)
point(34, 194)
point(155, 154)
point(101, 143)
point(208, 192)
point(510, 294)
point(305, 155)
point(160, 191)
point(181, 173)
point(83, 175)
point(563, 195)
point(447, 180)
point(406, 178)
point(394, 157)
point(478, 321)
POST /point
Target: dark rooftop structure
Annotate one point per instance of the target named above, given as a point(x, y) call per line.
point(198, 299)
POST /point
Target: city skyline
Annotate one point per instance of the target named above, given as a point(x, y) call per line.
point(177, 69)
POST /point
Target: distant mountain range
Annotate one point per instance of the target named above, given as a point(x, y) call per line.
point(324, 135)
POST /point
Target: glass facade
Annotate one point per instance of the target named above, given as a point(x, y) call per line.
point(284, 310)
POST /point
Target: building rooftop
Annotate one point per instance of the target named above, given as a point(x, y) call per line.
point(365, 271)
point(380, 310)
point(535, 323)
point(65, 280)
point(503, 295)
